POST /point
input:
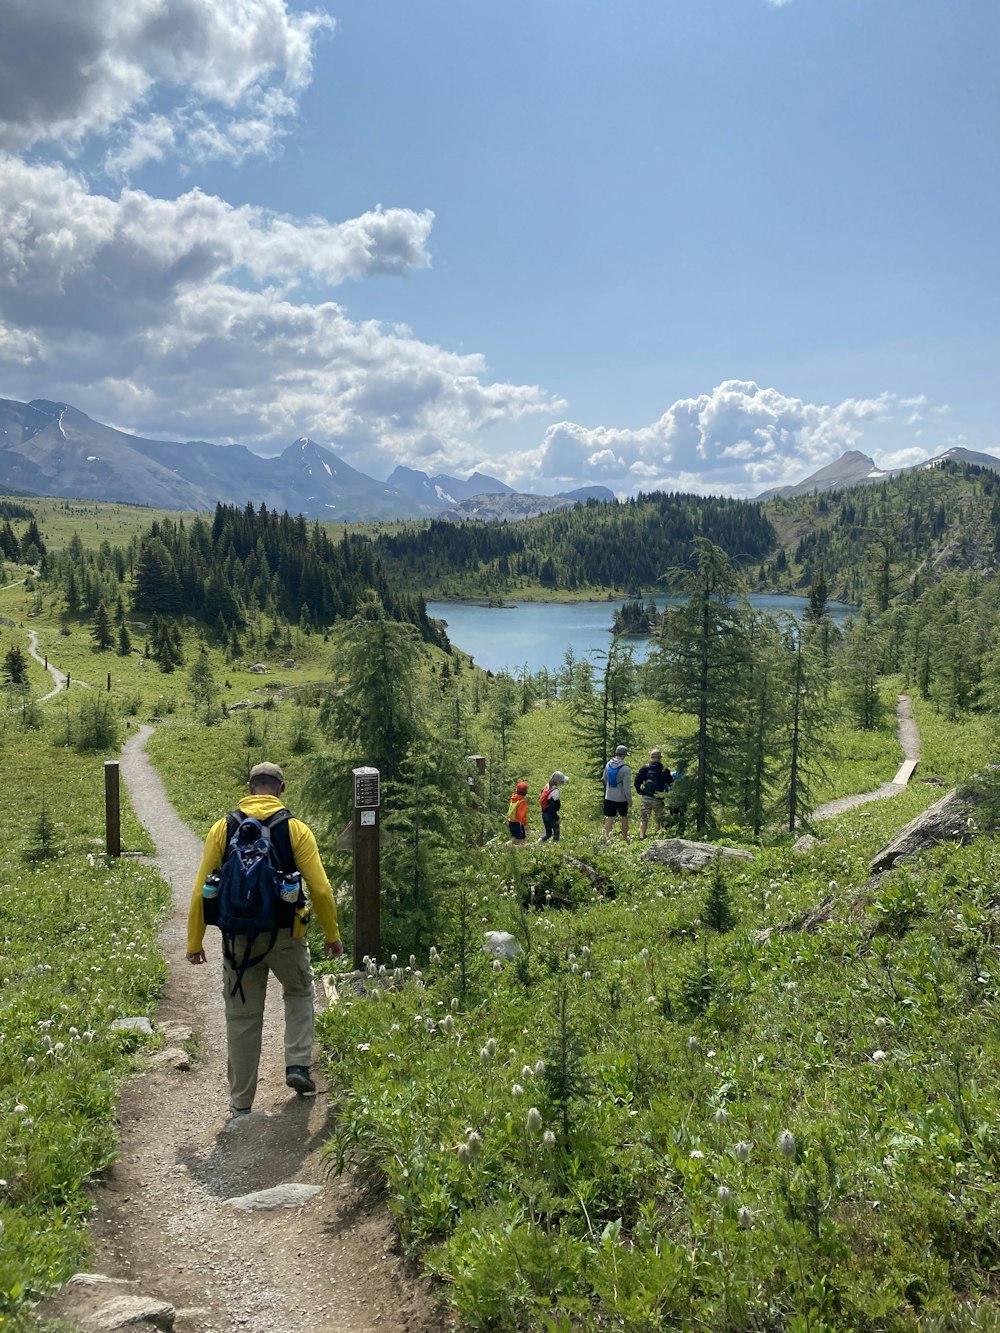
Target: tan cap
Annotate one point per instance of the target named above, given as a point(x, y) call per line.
point(656, 754)
point(267, 771)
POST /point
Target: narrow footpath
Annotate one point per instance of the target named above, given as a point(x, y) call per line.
point(167, 1229)
point(909, 740)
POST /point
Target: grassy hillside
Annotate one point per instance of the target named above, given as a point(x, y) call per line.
point(672, 1108)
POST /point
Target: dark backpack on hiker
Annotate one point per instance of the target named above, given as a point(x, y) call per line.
point(259, 889)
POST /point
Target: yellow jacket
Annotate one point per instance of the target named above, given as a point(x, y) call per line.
point(307, 861)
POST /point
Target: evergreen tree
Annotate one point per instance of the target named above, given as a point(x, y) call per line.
point(859, 666)
point(15, 666)
point(124, 641)
point(101, 632)
point(204, 688)
point(808, 692)
point(602, 718)
point(702, 670)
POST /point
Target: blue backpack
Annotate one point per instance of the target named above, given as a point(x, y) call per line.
point(259, 890)
point(614, 772)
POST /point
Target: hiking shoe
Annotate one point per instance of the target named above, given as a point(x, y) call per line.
point(297, 1077)
point(238, 1112)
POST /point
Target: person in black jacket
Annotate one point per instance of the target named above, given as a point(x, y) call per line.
point(651, 782)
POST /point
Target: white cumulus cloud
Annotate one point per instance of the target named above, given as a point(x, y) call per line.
point(737, 440)
point(229, 73)
point(182, 316)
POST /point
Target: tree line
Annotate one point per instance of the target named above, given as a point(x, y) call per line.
point(622, 545)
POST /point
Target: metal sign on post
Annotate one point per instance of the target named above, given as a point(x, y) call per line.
point(367, 875)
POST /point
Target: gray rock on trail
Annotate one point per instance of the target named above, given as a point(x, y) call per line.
point(683, 854)
point(135, 1312)
point(947, 820)
point(279, 1196)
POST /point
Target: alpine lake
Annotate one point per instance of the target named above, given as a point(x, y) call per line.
point(537, 635)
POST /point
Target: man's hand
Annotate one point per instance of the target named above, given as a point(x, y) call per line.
point(333, 949)
point(198, 957)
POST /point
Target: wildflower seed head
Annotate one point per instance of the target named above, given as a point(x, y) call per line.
point(491, 1047)
point(721, 1115)
point(742, 1150)
point(527, 1072)
point(692, 1043)
point(474, 1143)
point(534, 1120)
point(745, 1216)
point(786, 1143)
point(517, 1090)
point(724, 1195)
point(448, 1024)
point(549, 1139)
point(454, 1004)
point(878, 1056)
point(464, 1156)
point(696, 1155)
point(539, 1067)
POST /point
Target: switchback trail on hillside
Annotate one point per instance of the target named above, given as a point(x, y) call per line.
point(165, 1225)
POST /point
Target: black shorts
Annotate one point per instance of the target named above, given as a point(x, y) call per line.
point(612, 808)
point(516, 830)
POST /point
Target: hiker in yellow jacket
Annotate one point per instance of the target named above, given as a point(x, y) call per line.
point(288, 957)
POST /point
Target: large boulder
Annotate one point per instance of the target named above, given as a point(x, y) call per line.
point(683, 854)
point(947, 820)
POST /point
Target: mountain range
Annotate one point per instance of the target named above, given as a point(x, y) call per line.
point(49, 448)
point(856, 469)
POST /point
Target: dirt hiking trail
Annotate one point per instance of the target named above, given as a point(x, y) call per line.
point(164, 1231)
point(909, 740)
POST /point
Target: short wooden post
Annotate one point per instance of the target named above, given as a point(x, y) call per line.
point(109, 682)
point(112, 809)
point(367, 874)
point(67, 680)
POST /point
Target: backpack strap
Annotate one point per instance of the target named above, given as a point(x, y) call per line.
point(281, 838)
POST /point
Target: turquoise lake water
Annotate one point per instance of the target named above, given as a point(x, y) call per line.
point(537, 634)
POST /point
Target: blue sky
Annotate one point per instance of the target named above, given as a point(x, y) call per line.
point(697, 244)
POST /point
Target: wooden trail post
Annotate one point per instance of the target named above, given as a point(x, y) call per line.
point(112, 809)
point(367, 880)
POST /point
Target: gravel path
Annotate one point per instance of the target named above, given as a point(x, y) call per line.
point(163, 1222)
point(909, 740)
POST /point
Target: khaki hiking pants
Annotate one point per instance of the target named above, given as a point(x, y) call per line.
point(288, 959)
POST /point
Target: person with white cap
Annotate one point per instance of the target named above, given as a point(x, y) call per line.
point(651, 782)
point(287, 957)
point(617, 778)
point(549, 801)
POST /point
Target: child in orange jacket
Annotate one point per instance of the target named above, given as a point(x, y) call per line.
point(517, 813)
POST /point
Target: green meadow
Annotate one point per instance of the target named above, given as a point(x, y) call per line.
point(672, 1107)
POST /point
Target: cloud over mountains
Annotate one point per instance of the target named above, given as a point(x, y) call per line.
point(187, 315)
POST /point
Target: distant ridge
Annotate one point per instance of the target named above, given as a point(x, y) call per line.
point(52, 448)
point(855, 469)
